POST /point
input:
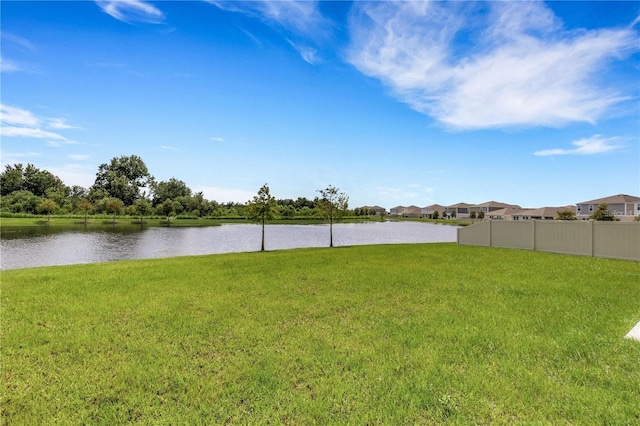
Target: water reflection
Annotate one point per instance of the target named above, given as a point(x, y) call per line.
point(42, 246)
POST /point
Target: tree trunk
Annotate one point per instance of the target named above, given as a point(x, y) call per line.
point(262, 246)
point(331, 232)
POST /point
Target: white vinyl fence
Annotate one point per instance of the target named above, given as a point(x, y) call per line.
point(617, 240)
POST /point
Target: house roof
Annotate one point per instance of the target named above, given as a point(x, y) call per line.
point(507, 211)
point(614, 199)
point(496, 204)
point(434, 207)
point(544, 211)
point(460, 205)
point(372, 207)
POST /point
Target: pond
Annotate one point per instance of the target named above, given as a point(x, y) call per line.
point(40, 246)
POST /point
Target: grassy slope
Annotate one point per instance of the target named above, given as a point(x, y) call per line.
point(399, 334)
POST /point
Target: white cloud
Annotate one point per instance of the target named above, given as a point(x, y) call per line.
point(17, 116)
point(301, 19)
point(17, 157)
point(60, 124)
point(169, 148)
point(28, 132)
point(308, 53)
point(75, 174)
point(8, 66)
point(588, 146)
point(225, 195)
point(217, 139)
point(79, 157)
point(18, 41)
point(132, 11)
point(19, 123)
point(511, 65)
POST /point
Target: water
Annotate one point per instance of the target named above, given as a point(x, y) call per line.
point(39, 246)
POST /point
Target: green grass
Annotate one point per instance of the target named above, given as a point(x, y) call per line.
point(396, 334)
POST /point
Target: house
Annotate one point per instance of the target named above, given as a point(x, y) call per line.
point(491, 206)
point(623, 207)
point(459, 210)
point(506, 213)
point(429, 211)
point(375, 210)
point(543, 213)
point(397, 211)
point(412, 211)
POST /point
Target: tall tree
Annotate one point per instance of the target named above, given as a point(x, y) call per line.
point(123, 178)
point(30, 178)
point(169, 190)
point(11, 179)
point(333, 205)
point(263, 207)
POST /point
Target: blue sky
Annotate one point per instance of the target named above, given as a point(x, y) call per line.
point(395, 103)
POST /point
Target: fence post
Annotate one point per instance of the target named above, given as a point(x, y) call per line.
point(592, 240)
point(534, 234)
point(490, 233)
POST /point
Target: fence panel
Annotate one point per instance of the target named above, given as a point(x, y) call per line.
point(512, 234)
point(618, 240)
point(475, 235)
point(564, 237)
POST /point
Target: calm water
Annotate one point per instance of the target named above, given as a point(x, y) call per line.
point(42, 247)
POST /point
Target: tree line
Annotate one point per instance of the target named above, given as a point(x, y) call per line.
point(124, 186)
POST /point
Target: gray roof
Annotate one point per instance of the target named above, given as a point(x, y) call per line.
point(614, 199)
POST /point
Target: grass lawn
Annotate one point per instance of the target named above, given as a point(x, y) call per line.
point(391, 334)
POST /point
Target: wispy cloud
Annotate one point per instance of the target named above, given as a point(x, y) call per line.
point(588, 146)
point(169, 148)
point(17, 116)
point(17, 157)
point(217, 139)
point(19, 123)
point(302, 20)
point(79, 157)
point(75, 174)
point(60, 124)
point(308, 53)
point(7, 65)
point(130, 11)
point(17, 40)
point(488, 64)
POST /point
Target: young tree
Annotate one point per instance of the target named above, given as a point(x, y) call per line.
point(85, 205)
point(113, 205)
point(263, 207)
point(142, 208)
point(333, 205)
point(47, 207)
point(602, 213)
point(566, 215)
point(166, 208)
